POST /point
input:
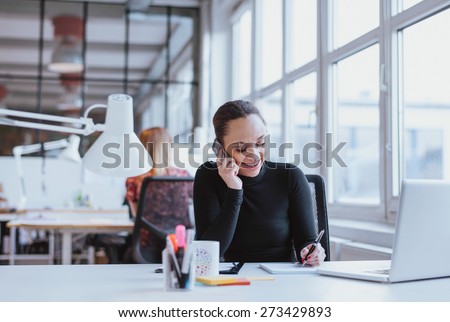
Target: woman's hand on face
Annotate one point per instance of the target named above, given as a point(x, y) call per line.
point(316, 258)
point(228, 170)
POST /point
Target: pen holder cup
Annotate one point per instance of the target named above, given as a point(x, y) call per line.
point(206, 257)
point(175, 277)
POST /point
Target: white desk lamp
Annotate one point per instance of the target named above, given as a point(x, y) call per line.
point(69, 153)
point(117, 152)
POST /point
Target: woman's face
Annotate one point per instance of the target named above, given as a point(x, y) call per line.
point(245, 142)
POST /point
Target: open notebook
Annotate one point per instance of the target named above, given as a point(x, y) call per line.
point(287, 268)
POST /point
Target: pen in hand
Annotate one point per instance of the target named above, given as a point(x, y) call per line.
point(313, 247)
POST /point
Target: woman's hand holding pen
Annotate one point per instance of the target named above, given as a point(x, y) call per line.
point(228, 170)
point(316, 257)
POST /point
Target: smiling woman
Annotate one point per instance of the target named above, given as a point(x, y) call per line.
point(259, 211)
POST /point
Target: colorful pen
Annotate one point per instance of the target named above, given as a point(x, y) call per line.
point(171, 249)
point(173, 239)
point(185, 267)
point(313, 247)
point(180, 232)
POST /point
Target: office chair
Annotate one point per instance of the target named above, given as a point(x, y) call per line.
point(115, 245)
point(317, 186)
point(164, 202)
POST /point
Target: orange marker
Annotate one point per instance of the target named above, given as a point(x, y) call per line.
point(173, 239)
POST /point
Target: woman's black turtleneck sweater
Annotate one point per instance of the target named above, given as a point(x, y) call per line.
point(265, 221)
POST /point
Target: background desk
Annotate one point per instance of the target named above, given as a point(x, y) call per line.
point(4, 238)
point(68, 224)
point(139, 283)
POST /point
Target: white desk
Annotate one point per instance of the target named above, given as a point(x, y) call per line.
point(4, 218)
point(68, 224)
point(139, 283)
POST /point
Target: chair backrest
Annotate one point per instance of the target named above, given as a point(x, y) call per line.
point(317, 186)
point(164, 202)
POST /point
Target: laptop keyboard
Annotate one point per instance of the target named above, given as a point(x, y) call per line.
point(380, 271)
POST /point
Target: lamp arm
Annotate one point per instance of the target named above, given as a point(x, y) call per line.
point(39, 116)
point(32, 148)
point(20, 150)
point(117, 130)
point(90, 108)
point(88, 125)
point(19, 168)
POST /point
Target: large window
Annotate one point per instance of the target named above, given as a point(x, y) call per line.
point(366, 82)
point(304, 123)
point(357, 117)
point(302, 33)
point(405, 4)
point(242, 54)
point(269, 41)
point(353, 18)
point(425, 83)
point(271, 110)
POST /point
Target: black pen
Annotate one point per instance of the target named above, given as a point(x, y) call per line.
point(313, 246)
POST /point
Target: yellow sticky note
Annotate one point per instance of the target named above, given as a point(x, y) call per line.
point(223, 280)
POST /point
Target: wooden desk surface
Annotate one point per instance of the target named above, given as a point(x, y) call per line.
point(78, 210)
point(78, 218)
point(5, 217)
point(72, 223)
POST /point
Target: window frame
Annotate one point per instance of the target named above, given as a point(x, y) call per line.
point(386, 36)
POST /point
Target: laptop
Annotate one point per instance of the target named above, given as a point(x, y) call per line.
point(422, 238)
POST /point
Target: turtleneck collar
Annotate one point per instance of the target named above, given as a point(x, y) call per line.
point(252, 180)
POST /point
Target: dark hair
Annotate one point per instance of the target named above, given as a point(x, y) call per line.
point(231, 111)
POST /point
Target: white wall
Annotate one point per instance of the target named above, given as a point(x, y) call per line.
point(63, 180)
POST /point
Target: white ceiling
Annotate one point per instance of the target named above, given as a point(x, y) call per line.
point(105, 48)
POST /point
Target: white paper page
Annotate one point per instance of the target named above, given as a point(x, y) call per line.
point(287, 268)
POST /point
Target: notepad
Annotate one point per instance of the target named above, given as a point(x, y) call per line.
point(223, 280)
point(287, 268)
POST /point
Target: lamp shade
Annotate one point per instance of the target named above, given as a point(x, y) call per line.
point(118, 151)
point(71, 153)
point(67, 57)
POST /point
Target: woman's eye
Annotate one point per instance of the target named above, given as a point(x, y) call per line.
point(261, 145)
